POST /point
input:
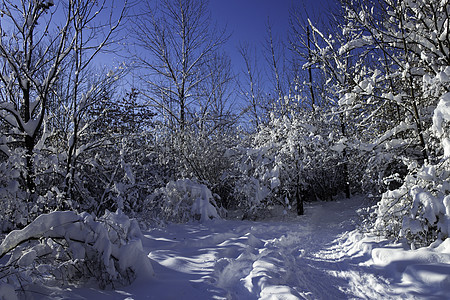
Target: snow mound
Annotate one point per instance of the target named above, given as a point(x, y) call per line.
point(66, 247)
point(424, 272)
point(184, 200)
point(267, 278)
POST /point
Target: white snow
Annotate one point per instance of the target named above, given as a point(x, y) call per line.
point(185, 199)
point(7, 292)
point(446, 145)
point(27, 258)
point(316, 256)
point(356, 43)
point(30, 127)
point(441, 114)
point(340, 145)
point(41, 225)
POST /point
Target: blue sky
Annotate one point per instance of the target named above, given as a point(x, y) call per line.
point(247, 19)
point(246, 22)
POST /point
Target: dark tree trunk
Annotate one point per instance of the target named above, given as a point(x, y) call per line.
point(299, 198)
point(29, 146)
point(311, 89)
point(346, 174)
point(29, 140)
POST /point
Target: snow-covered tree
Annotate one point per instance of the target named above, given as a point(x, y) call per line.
point(31, 57)
point(400, 90)
point(43, 60)
point(290, 159)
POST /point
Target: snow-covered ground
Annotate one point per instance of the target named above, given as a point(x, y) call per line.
point(316, 256)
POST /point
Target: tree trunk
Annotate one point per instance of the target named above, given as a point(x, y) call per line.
point(29, 146)
point(346, 175)
point(299, 198)
point(311, 89)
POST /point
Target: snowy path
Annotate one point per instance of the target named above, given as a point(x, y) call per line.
point(296, 259)
point(308, 257)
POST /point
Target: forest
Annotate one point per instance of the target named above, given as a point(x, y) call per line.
point(357, 104)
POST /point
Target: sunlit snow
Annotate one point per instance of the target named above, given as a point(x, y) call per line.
point(316, 256)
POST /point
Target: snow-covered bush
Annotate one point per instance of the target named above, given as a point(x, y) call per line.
point(12, 197)
point(182, 201)
point(387, 70)
point(19, 207)
point(196, 153)
point(420, 209)
point(257, 178)
point(203, 158)
point(68, 248)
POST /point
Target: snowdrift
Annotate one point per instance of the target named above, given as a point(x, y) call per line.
point(64, 247)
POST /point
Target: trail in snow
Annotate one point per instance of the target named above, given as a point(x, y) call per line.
point(300, 258)
point(308, 257)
